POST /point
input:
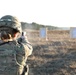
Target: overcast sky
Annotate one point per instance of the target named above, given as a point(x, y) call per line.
point(61, 13)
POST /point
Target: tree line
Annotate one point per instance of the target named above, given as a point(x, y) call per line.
point(35, 26)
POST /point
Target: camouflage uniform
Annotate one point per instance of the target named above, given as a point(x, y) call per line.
point(13, 54)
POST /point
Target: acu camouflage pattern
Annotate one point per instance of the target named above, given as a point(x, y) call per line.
point(12, 58)
point(10, 21)
point(13, 55)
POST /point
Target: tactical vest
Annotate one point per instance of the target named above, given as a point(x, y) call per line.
point(12, 58)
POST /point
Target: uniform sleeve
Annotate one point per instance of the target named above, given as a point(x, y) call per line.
point(27, 45)
point(28, 49)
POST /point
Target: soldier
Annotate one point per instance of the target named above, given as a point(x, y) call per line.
point(13, 52)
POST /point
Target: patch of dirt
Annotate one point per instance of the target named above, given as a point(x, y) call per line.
point(55, 58)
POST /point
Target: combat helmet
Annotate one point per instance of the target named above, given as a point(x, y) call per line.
point(10, 21)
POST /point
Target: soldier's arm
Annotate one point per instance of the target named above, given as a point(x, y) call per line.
point(27, 45)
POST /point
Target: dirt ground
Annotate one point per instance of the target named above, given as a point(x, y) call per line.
point(57, 56)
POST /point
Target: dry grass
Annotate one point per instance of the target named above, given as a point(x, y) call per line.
point(57, 56)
